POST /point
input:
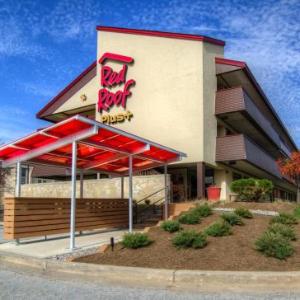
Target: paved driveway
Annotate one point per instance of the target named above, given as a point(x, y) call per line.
point(19, 286)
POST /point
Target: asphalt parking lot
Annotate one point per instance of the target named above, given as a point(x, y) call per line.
point(15, 285)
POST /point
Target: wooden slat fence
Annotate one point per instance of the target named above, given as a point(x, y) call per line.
point(29, 217)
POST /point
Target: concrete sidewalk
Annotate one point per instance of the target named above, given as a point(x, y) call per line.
point(59, 245)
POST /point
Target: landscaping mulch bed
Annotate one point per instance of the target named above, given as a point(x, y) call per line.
point(234, 252)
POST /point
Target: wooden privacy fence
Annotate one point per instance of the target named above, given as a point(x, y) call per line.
point(28, 217)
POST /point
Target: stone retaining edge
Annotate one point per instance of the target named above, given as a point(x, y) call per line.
point(254, 211)
point(184, 279)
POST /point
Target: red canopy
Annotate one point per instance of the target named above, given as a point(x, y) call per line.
point(100, 147)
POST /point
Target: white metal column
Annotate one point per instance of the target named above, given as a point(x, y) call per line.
point(130, 193)
point(73, 196)
point(166, 191)
point(18, 180)
point(81, 184)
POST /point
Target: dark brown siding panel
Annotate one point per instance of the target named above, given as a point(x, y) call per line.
point(239, 147)
point(261, 159)
point(230, 148)
point(229, 100)
point(260, 119)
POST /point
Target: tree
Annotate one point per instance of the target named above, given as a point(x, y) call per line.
point(291, 167)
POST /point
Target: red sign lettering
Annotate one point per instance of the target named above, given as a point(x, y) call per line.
point(110, 78)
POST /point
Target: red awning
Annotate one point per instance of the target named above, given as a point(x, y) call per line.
point(100, 147)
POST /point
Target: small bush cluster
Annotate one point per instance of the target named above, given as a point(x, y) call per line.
point(170, 226)
point(136, 240)
point(189, 239)
point(194, 215)
point(297, 212)
point(243, 212)
point(285, 230)
point(202, 211)
point(189, 218)
point(232, 219)
point(252, 189)
point(285, 218)
point(219, 228)
point(274, 245)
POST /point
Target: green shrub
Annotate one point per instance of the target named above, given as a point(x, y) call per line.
point(243, 212)
point(284, 218)
point(170, 226)
point(251, 189)
point(285, 230)
point(232, 219)
point(136, 240)
point(297, 212)
point(274, 245)
point(203, 210)
point(189, 239)
point(189, 218)
point(219, 229)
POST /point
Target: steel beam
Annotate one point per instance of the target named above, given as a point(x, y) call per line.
point(81, 184)
point(54, 145)
point(166, 192)
point(130, 194)
point(18, 180)
point(73, 196)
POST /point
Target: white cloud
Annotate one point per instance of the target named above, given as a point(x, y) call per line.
point(265, 34)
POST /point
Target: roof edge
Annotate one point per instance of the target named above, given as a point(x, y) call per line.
point(165, 34)
point(243, 65)
point(40, 114)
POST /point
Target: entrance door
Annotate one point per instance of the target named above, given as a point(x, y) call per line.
point(179, 184)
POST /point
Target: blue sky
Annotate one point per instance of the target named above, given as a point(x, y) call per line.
point(45, 44)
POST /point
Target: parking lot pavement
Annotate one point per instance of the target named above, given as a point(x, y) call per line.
point(29, 286)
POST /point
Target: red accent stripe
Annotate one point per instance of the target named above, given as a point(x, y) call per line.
point(231, 62)
point(66, 89)
point(118, 57)
point(165, 34)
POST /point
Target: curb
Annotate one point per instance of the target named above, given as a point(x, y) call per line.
point(183, 279)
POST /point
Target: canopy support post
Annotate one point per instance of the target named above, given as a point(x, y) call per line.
point(73, 196)
point(18, 180)
point(166, 192)
point(130, 193)
point(81, 184)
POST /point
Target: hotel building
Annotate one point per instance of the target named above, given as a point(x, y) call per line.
point(180, 90)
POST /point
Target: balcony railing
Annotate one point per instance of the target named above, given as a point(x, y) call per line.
point(239, 147)
point(237, 100)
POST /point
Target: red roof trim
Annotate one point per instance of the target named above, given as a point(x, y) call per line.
point(117, 57)
point(165, 34)
point(231, 62)
point(66, 89)
point(248, 72)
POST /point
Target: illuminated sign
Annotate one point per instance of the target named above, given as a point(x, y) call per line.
point(109, 80)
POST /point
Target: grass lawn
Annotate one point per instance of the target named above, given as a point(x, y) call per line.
point(233, 252)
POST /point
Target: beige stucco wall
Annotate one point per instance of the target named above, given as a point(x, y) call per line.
point(143, 186)
point(91, 92)
point(168, 99)
point(223, 178)
point(210, 51)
